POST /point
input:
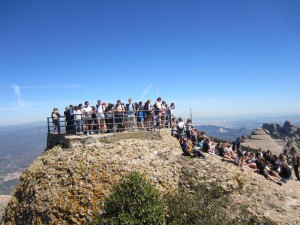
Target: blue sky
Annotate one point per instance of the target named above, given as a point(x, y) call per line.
point(224, 59)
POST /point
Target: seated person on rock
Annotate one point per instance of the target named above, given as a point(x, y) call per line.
point(250, 161)
point(197, 152)
point(229, 155)
point(186, 148)
point(285, 172)
point(261, 169)
point(207, 146)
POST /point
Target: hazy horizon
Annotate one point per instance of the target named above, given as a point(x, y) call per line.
point(208, 121)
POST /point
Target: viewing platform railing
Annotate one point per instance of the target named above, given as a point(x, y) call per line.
point(110, 123)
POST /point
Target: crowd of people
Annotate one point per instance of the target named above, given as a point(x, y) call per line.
point(196, 143)
point(103, 118)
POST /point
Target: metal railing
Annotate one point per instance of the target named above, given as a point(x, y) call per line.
point(110, 123)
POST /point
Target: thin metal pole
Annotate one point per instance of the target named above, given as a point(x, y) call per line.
point(48, 125)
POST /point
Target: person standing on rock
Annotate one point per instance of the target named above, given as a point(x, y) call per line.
point(55, 118)
point(239, 150)
point(295, 162)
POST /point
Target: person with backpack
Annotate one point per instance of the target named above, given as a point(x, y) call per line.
point(181, 129)
point(296, 162)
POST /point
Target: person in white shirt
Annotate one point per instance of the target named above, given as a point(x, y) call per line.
point(78, 117)
point(100, 109)
point(131, 110)
point(88, 117)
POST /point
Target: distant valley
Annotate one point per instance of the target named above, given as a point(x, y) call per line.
point(227, 134)
point(20, 145)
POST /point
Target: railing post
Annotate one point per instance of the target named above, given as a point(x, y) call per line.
point(114, 123)
point(75, 124)
point(153, 119)
point(170, 118)
point(58, 127)
point(48, 125)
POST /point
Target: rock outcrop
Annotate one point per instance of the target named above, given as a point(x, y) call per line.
point(66, 185)
point(290, 128)
point(261, 138)
point(289, 132)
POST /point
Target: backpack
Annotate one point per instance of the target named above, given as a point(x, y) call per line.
point(180, 130)
point(298, 159)
point(146, 107)
point(127, 107)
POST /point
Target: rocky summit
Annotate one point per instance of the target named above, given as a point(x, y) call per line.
point(66, 185)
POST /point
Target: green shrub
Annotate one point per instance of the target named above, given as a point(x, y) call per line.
point(197, 206)
point(133, 201)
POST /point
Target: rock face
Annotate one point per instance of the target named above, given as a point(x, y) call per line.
point(290, 128)
point(260, 138)
point(274, 128)
point(289, 132)
point(4, 199)
point(65, 185)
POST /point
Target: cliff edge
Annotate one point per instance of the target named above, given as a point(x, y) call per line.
point(66, 185)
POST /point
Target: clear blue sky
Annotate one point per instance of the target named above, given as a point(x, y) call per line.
point(230, 59)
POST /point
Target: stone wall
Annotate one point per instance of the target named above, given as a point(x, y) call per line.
point(67, 140)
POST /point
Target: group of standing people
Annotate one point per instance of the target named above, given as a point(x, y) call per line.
point(110, 117)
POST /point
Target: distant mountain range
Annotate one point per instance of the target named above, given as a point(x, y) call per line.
point(227, 134)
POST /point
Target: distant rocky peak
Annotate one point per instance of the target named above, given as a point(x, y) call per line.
point(273, 128)
point(289, 132)
point(290, 128)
